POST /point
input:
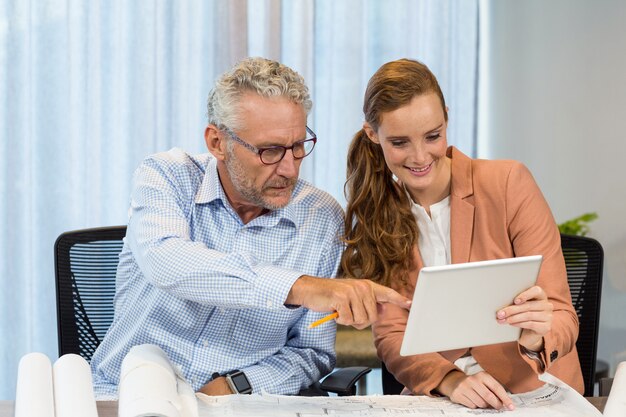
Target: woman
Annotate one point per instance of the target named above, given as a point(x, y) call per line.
point(413, 202)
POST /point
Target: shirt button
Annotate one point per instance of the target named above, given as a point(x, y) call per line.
point(206, 343)
point(269, 303)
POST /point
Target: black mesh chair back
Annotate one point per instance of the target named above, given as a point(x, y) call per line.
point(583, 260)
point(85, 266)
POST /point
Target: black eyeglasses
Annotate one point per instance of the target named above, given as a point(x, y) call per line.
point(274, 154)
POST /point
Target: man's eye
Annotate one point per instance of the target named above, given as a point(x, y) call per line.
point(272, 151)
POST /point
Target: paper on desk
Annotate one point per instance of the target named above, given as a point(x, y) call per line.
point(616, 403)
point(555, 399)
point(562, 398)
point(73, 387)
point(149, 386)
point(34, 395)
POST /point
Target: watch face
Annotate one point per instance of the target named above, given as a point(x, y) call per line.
point(240, 381)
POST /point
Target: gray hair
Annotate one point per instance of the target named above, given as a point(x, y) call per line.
point(258, 75)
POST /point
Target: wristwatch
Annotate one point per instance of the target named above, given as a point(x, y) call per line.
point(535, 356)
point(238, 382)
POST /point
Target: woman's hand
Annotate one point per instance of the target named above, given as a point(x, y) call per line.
point(480, 390)
point(532, 312)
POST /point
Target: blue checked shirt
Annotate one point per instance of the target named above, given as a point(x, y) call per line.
point(210, 290)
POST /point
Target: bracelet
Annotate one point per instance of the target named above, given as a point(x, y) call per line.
point(535, 356)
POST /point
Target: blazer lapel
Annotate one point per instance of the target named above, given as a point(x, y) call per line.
point(461, 206)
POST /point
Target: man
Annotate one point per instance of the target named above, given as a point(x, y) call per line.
point(225, 257)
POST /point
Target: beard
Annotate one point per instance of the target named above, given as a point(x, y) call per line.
point(246, 187)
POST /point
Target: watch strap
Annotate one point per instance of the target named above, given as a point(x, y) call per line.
point(535, 356)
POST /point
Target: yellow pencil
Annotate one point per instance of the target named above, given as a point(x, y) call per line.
point(324, 320)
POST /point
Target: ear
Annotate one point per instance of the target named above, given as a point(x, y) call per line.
point(215, 142)
point(371, 133)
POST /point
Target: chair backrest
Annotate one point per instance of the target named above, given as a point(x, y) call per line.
point(85, 266)
point(583, 260)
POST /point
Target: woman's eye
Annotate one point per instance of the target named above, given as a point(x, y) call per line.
point(398, 143)
point(433, 137)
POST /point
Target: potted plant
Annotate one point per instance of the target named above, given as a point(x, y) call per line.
point(578, 226)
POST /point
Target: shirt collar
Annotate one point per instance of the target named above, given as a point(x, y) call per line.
point(437, 207)
point(211, 190)
point(274, 217)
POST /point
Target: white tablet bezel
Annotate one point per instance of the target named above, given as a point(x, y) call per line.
point(454, 306)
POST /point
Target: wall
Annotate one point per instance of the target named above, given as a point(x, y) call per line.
point(553, 95)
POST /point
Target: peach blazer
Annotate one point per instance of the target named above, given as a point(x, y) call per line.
point(496, 211)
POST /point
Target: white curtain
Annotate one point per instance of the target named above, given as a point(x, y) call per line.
point(89, 88)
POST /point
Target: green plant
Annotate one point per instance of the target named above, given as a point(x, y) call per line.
point(578, 225)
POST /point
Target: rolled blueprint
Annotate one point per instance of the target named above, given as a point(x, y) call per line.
point(149, 386)
point(73, 388)
point(616, 403)
point(34, 395)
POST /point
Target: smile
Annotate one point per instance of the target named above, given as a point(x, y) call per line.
point(421, 169)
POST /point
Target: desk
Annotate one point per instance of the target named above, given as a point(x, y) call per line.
point(105, 409)
point(109, 408)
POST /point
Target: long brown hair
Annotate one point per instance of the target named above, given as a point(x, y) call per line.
point(380, 230)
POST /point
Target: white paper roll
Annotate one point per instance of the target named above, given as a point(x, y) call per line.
point(150, 386)
point(34, 394)
point(148, 390)
point(73, 387)
point(188, 399)
point(616, 403)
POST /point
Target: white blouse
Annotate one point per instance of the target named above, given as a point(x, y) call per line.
point(434, 245)
point(434, 232)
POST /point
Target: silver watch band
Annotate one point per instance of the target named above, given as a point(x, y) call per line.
point(535, 356)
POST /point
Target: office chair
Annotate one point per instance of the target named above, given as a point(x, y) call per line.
point(583, 260)
point(85, 267)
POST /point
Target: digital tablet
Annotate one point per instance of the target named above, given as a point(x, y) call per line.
point(454, 306)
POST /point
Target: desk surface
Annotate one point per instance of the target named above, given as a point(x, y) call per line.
point(105, 409)
point(109, 408)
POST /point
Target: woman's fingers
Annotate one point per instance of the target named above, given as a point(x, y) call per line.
point(533, 293)
point(481, 390)
point(531, 310)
